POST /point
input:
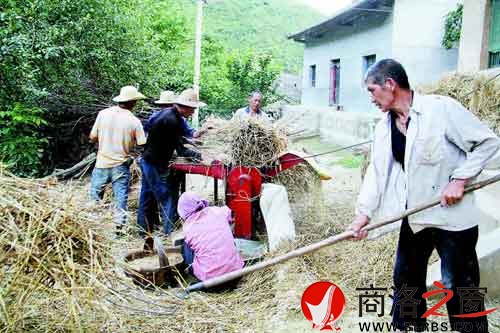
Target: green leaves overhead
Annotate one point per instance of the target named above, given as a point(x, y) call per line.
point(61, 61)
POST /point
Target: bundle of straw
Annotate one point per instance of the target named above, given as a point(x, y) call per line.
point(477, 92)
point(48, 247)
point(250, 143)
point(57, 268)
point(41, 237)
point(255, 143)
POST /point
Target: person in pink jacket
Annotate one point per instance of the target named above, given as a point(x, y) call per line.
point(208, 240)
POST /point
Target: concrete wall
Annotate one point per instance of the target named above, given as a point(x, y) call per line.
point(350, 44)
point(474, 39)
point(338, 127)
point(417, 34)
point(302, 118)
point(347, 128)
point(290, 86)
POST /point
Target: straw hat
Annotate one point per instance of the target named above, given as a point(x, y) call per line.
point(128, 93)
point(166, 97)
point(189, 98)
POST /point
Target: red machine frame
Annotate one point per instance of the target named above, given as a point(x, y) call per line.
point(243, 186)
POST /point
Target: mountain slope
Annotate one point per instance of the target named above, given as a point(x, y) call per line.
point(260, 24)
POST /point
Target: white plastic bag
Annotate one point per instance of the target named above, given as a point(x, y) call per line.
point(277, 214)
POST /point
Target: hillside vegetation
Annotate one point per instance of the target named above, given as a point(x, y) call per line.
point(63, 61)
point(261, 25)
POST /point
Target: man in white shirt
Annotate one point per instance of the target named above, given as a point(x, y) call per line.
point(426, 146)
point(253, 110)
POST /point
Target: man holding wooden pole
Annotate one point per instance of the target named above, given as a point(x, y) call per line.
point(158, 184)
point(426, 146)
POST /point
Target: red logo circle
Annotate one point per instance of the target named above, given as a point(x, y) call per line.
point(322, 304)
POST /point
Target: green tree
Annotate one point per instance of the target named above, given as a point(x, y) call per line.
point(452, 27)
point(249, 71)
point(228, 78)
point(61, 61)
point(68, 58)
point(22, 144)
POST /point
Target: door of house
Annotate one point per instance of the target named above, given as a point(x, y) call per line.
point(335, 82)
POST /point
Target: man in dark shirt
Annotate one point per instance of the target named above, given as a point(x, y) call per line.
point(165, 136)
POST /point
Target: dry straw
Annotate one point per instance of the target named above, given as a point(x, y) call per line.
point(250, 143)
point(479, 93)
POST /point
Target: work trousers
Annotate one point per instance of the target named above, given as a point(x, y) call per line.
point(159, 189)
point(119, 177)
point(459, 269)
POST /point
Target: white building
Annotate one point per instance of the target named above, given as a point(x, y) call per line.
point(480, 36)
point(339, 50)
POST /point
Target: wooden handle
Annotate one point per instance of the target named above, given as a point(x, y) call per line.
point(161, 252)
point(326, 242)
point(436, 201)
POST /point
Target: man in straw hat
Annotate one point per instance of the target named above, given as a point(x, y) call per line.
point(426, 146)
point(165, 136)
point(166, 100)
point(116, 130)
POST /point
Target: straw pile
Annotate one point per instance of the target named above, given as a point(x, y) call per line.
point(49, 249)
point(304, 194)
point(57, 270)
point(97, 298)
point(255, 144)
point(484, 102)
point(250, 143)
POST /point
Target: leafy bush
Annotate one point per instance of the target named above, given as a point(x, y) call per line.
point(22, 145)
point(453, 27)
point(61, 61)
point(227, 88)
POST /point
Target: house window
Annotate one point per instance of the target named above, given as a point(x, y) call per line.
point(494, 47)
point(494, 59)
point(312, 75)
point(368, 61)
point(335, 82)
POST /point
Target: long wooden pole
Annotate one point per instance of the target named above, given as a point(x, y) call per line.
point(197, 57)
point(326, 242)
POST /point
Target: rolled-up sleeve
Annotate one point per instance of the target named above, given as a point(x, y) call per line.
point(472, 136)
point(94, 133)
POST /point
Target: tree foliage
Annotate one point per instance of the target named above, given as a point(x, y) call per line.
point(452, 27)
point(262, 25)
point(22, 145)
point(61, 61)
point(243, 72)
